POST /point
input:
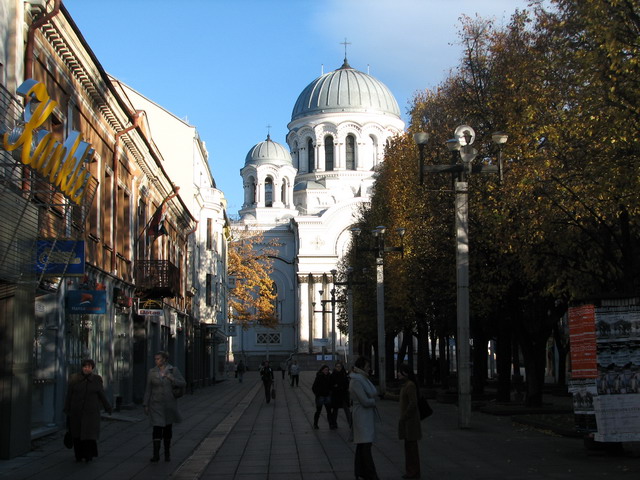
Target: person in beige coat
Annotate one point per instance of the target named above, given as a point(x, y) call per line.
point(160, 404)
point(364, 416)
point(409, 428)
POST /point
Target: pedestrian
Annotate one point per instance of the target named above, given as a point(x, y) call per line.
point(85, 395)
point(294, 369)
point(365, 414)
point(240, 369)
point(283, 368)
point(339, 394)
point(322, 390)
point(266, 374)
point(409, 428)
point(161, 404)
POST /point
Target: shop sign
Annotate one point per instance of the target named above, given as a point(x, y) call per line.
point(62, 164)
point(87, 301)
point(152, 308)
point(58, 257)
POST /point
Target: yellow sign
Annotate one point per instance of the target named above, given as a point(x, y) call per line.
point(64, 163)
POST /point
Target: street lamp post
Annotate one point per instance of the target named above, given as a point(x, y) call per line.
point(379, 251)
point(462, 143)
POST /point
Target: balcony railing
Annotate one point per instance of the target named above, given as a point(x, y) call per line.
point(157, 278)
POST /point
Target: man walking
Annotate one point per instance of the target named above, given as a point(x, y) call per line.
point(266, 373)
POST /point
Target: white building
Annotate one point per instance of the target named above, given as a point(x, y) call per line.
point(305, 198)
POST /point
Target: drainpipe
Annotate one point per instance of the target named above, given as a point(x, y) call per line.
point(28, 55)
point(135, 119)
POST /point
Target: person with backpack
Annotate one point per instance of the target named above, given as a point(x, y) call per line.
point(409, 428)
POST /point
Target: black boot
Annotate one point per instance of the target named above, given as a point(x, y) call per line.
point(156, 451)
point(167, 449)
point(316, 417)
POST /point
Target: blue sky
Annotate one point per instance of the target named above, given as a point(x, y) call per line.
point(232, 68)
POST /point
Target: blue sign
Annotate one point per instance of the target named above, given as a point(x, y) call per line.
point(57, 257)
point(87, 301)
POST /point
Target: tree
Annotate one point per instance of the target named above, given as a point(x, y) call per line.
point(253, 297)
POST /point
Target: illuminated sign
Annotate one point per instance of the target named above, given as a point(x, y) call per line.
point(62, 164)
point(57, 257)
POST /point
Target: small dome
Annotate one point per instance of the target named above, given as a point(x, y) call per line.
point(308, 185)
point(345, 90)
point(268, 152)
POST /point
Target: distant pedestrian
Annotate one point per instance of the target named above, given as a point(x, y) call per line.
point(409, 428)
point(85, 395)
point(363, 397)
point(266, 374)
point(322, 390)
point(283, 368)
point(294, 370)
point(240, 369)
point(161, 404)
point(339, 394)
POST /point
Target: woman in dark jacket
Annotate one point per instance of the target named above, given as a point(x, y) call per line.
point(409, 428)
point(160, 403)
point(85, 395)
point(339, 394)
point(322, 390)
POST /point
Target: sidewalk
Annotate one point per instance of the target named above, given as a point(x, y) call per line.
point(230, 432)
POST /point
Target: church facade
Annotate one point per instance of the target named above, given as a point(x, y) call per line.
point(304, 198)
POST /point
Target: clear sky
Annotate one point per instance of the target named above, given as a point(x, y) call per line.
point(234, 68)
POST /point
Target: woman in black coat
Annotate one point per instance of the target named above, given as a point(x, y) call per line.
point(339, 394)
point(85, 395)
point(322, 390)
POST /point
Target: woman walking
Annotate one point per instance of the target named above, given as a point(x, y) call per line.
point(160, 403)
point(339, 394)
point(364, 415)
point(409, 428)
point(85, 395)
point(322, 390)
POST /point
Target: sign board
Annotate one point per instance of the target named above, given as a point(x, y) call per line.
point(86, 302)
point(320, 342)
point(57, 257)
point(151, 312)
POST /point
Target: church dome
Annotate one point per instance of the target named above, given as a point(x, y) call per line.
point(345, 90)
point(268, 152)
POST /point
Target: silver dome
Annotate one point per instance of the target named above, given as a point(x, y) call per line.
point(268, 152)
point(345, 90)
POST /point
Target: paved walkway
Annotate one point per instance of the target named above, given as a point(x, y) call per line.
point(230, 432)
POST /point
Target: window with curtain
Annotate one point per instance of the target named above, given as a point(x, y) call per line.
point(328, 153)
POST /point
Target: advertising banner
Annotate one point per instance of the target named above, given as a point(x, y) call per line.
point(58, 257)
point(86, 302)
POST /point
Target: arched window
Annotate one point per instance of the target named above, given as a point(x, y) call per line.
point(268, 192)
point(328, 153)
point(283, 193)
point(252, 191)
point(311, 158)
point(374, 150)
point(350, 161)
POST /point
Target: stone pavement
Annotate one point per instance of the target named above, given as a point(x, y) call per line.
point(230, 432)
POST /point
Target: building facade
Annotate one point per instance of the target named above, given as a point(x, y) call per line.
point(304, 200)
point(97, 239)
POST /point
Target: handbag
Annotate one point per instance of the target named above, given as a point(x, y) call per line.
point(177, 392)
point(68, 440)
point(424, 408)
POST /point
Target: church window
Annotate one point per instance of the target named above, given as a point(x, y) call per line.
point(310, 156)
point(283, 193)
point(328, 153)
point(268, 192)
point(374, 150)
point(252, 191)
point(350, 152)
point(271, 338)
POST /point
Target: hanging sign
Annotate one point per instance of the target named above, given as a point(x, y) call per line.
point(57, 257)
point(87, 301)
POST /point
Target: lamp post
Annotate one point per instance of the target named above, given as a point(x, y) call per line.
point(464, 136)
point(379, 251)
point(349, 284)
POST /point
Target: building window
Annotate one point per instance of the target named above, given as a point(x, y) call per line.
point(208, 301)
point(328, 153)
point(209, 240)
point(268, 192)
point(311, 160)
point(350, 152)
point(267, 338)
point(283, 193)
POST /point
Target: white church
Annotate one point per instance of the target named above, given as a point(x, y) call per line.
point(304, 197)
